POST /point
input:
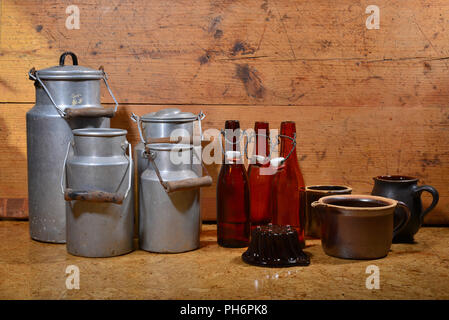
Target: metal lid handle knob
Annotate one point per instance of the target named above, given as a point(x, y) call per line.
point(65, 54)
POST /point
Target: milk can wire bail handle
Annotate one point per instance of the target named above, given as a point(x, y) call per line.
point(92, 112)
point(97, 195)
point(150, 140)
point(136, 119)
point(200, 118)
point(95, 112)
point(34, 75)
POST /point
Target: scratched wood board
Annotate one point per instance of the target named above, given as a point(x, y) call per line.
point(339, 145)
point(366, 102)
point(238, 52)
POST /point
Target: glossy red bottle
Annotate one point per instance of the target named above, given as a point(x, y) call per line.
point(288, 206)
point(260, 178)
point(233, 224)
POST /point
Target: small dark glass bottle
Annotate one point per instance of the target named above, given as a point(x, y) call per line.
point(233, 206)
point(288, 185)
point(260, 178)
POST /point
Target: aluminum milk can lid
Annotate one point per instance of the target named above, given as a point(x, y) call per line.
point(169, 115)
point(70, 72)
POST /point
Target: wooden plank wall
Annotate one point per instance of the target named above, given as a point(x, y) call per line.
point(366, 102)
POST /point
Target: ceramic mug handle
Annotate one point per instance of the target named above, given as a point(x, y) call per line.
point(405, 217)
point(419, 189)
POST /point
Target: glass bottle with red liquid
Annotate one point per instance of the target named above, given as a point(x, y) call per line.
point(288, 185)
point(233, 224)
point(260, 178)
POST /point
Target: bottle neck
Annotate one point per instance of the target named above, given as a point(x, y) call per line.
point(288, 129)
point(262, 139)
point(232, 135)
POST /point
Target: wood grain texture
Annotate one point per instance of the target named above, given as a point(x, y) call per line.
point(366, 102)
point(338, 145)
point(238, 52)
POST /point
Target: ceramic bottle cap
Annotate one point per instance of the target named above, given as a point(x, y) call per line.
point(276, 162)
point(232, 155)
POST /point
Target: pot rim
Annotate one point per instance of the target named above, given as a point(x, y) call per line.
point(178, 120)
point(169, 146)
point(391, 202)
point(99, 132)
point(396, 178)
point(326, 188)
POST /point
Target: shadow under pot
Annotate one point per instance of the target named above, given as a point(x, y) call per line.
point(359, 226)
point(406, 189)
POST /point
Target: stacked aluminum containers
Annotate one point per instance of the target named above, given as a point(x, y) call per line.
point(169, 221)
point(67, 97)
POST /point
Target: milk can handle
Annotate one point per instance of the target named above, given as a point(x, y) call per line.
point(68, 113)
point(94, 112)
point(201, 117)
point(149, 140)
point(33, 75)
point(97, 195)
point(136, 119)
point(171, 186)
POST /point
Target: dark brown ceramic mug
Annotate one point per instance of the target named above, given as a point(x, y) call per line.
point(406, 189)
point(359, 226)
point(312, 194)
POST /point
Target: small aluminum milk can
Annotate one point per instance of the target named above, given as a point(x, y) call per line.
point(100, 207)
point(169, 210)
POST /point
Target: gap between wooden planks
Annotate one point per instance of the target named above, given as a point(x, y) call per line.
point(338, 145)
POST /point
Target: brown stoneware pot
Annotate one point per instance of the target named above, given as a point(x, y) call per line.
point(359, 226)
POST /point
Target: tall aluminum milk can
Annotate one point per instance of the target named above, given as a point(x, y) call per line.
point(97, 185)
point(67, 97)
point(169, 210)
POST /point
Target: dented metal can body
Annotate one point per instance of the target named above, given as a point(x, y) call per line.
point(169, 222)
point(100, 205)
point(61, 93)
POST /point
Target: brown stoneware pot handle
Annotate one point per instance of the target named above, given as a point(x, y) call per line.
point(89, 112)
point(317, 204)
point(419, 189)
point(405, 217)
point(93, 196)
point(191, 183)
